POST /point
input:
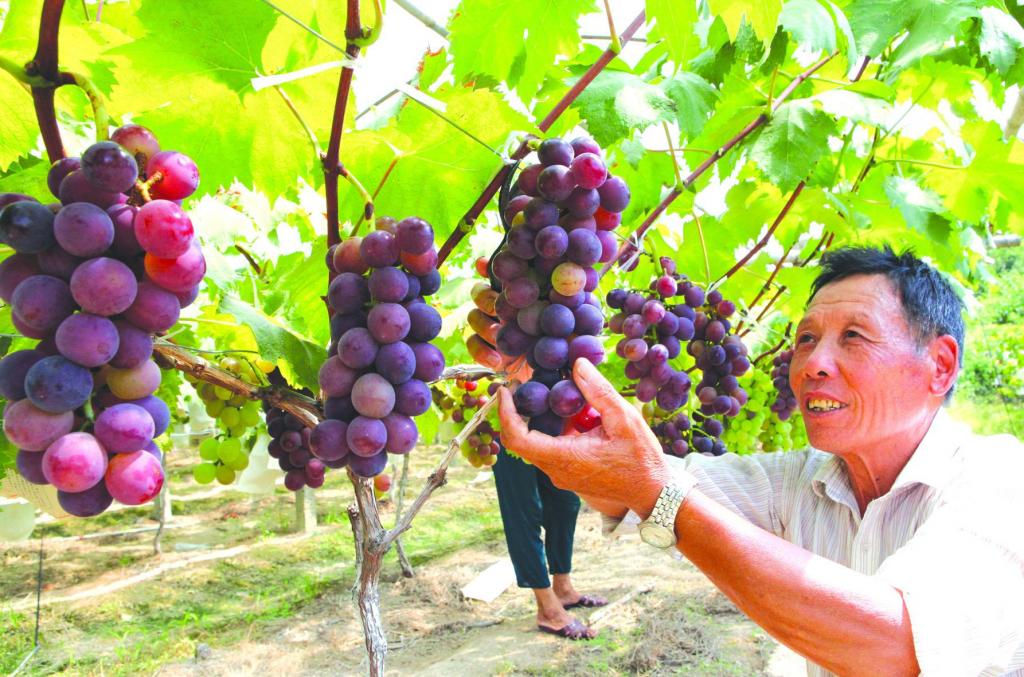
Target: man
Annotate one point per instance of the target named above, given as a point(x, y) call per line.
point(893, 545)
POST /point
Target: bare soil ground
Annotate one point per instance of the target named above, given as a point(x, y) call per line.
point(280, 603)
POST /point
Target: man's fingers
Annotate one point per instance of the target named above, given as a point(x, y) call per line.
point(602, 395)
point(484, 297)
point(483, 353)
point(533, 446)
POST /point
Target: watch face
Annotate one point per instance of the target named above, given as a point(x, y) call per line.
point(657, 535)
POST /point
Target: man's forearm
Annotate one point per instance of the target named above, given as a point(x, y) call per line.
point(845, 621)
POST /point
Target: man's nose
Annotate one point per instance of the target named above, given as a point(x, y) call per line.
point(820, 362)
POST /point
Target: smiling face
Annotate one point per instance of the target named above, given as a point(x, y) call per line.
point(861, 381)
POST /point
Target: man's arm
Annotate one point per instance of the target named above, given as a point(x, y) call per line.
point(845, 621)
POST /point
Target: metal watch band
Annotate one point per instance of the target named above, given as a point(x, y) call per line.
point(664, 513)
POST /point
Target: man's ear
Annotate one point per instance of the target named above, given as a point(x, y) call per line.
point(945, 355)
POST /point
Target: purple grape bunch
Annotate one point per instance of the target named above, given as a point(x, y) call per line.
point(785, 399)
point(92, 278)
point(561, 227)
point(292, 445)
point(381, 358)
point(654, 327)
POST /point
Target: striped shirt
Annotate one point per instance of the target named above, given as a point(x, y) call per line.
point(949, 535)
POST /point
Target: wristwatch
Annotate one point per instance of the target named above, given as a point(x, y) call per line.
point(659, 529)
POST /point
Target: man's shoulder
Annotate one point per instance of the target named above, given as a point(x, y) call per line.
point(993, 459)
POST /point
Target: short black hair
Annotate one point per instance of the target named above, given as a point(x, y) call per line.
point(931, 307)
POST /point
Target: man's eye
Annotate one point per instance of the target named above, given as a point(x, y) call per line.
point(804, 338)
point(852, 334)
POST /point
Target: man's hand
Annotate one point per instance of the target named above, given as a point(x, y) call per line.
point(619, 463)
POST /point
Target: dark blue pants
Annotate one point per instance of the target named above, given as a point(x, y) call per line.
point(528, 501)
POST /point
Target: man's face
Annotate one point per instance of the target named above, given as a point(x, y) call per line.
point(859, 378)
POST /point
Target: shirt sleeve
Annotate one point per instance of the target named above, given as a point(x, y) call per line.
point(754, 487)
point(962, 581)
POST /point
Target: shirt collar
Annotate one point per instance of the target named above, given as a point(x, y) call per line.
point(930, 464)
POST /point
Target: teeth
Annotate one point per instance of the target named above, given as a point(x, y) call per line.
point(824, 405)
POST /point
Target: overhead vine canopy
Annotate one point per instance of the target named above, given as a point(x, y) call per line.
point(866, 121)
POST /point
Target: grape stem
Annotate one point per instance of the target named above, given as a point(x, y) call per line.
point(439, 475)
point(616, 45)
point(170, 355)
point(767, 236)
point(777, 347)
point(367, 198)
point(422, 17)
point(302, 121)
point(249, 257)
point(751, 127)
point(491, 189)
point(331, 164)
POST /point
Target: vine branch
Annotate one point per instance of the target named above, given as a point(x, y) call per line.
point(767, 236)
point(751, 127)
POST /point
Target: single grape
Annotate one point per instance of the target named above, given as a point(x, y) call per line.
point(177, 274)
point(614, 194)
point(58, 170)
point(136, 478)
point(555, 151)
point(124, 428)
point(138, 141)
point(387, 285)
point(153, 309)
point(13, 368)
point(179, 176)
point(27, 227)
point(83, 229)
point(109, 167)
point(76, 188)
point(373, 396)
point(75, 462)
point(412, 398)
point(88, 340)
point(565, 399)
point(402, 434)
point(531, 398)
point(88, 503)
point(162, 229)
point(56, 384)
point(42, 302)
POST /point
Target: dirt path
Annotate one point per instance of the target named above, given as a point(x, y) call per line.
point(683, 625)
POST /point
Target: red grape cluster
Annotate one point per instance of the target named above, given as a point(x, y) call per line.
point(653, 332)
point(785, 400)
point(561, 226)
point(92, 279)
point(380, 359)
point(292, 446)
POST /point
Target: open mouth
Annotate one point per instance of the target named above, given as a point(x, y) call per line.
point(823, 405)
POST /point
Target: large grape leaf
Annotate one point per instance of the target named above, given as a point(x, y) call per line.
point(617, 103)
point(788, 148)
point(18, 127)
point(929, 23)
point(1001, 39)
point(514, 42)
point(277, 341)
point(810, 24)
point(694, 99)
point(673, 22)
point(739, 103)
point(996, 168)
point(220, 39)
point(440, 171)
point(762, 15)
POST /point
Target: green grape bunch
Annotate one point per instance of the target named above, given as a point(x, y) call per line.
point(226, 453)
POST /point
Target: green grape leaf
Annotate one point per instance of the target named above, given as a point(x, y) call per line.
point(996, 168)
point(810, 24)
point(694, 100)
point(435, 161)
point(514, 42)
point(791, 144)
point(934, 21)
point(18, 127)
point(916, 204)
point(1002, 38)
point(929, 23)
point(219, 40)
point(869, 101)
point(739, 103)
point(762, 15)
point(616, 103)
point(277, 341)
point(674, 21)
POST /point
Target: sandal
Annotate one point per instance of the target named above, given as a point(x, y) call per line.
point(586, 601)
point(574, 630)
